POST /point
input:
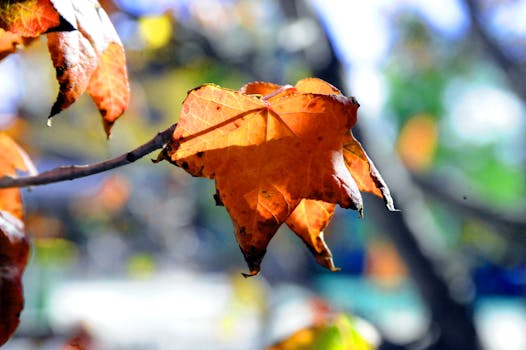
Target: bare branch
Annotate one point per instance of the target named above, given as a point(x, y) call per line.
point(72, 172)
point(513, 71)
point(510, 225)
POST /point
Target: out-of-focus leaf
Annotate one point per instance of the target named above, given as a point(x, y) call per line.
point(269, 147)
point(12, 157)
point(14, 251)
point(14, 247)
point(417, 142)
point(8, 42)
point(155, 31)
point(384, 264)
point(28, 18)
point(81, 339)
point(335, 333)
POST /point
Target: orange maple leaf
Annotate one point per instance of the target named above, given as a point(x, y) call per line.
point(14, 247)
point(277, 155)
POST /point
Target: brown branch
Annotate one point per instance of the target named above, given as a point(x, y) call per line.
point(510, 225)
point(72, 172)
point(514, 72)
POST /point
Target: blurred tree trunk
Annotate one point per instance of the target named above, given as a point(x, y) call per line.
point(452, 326)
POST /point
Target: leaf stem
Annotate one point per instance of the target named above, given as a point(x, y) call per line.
point(72, 172)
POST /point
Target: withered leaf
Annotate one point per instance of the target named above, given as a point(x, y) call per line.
point(9, 42)
point(85, 49)
point(90, 58)
point(14, 247)
point(12, 157)
point(14, 250)
point(108, 85)
point(28, 18)
point(269, 148)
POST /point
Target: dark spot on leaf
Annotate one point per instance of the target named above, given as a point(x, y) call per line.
point(217, 198)
point(320, 138)
point(330, 194)
point(103, 112)
point(218, 108)
point(242, 231)
point(200, 154)
point(184, 165)
point(316, 195)
point(267, 225)
point(60, 71)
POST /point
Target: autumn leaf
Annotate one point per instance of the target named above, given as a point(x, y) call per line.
point(9, 42)
point(80, 340)
point(307, 221)
point(85, 49)
point(90, 58)
point(417, 142)
point(12, 157)
point(310, 218)
point(337, 332)
point(358, 163)
point(14, 247)
point(108, 85)
point(314, 216)
point(28, 18)
point(14, 250)
point(75, 61)
point(269, 148)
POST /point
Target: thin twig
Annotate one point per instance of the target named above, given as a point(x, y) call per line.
point(72, 172)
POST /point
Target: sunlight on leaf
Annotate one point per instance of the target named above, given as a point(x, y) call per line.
point(28, 18)
point(269, 148)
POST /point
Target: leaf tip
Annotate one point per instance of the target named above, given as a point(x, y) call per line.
point(57, 107)
point(252, 273)
point(107, 127)
point(327, 262)
point(253, 257)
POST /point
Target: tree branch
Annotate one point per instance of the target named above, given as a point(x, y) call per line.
point(511, 225)
point(513, 71)
point(77, 171)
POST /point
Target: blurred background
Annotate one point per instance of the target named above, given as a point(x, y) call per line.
point(141, 258)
